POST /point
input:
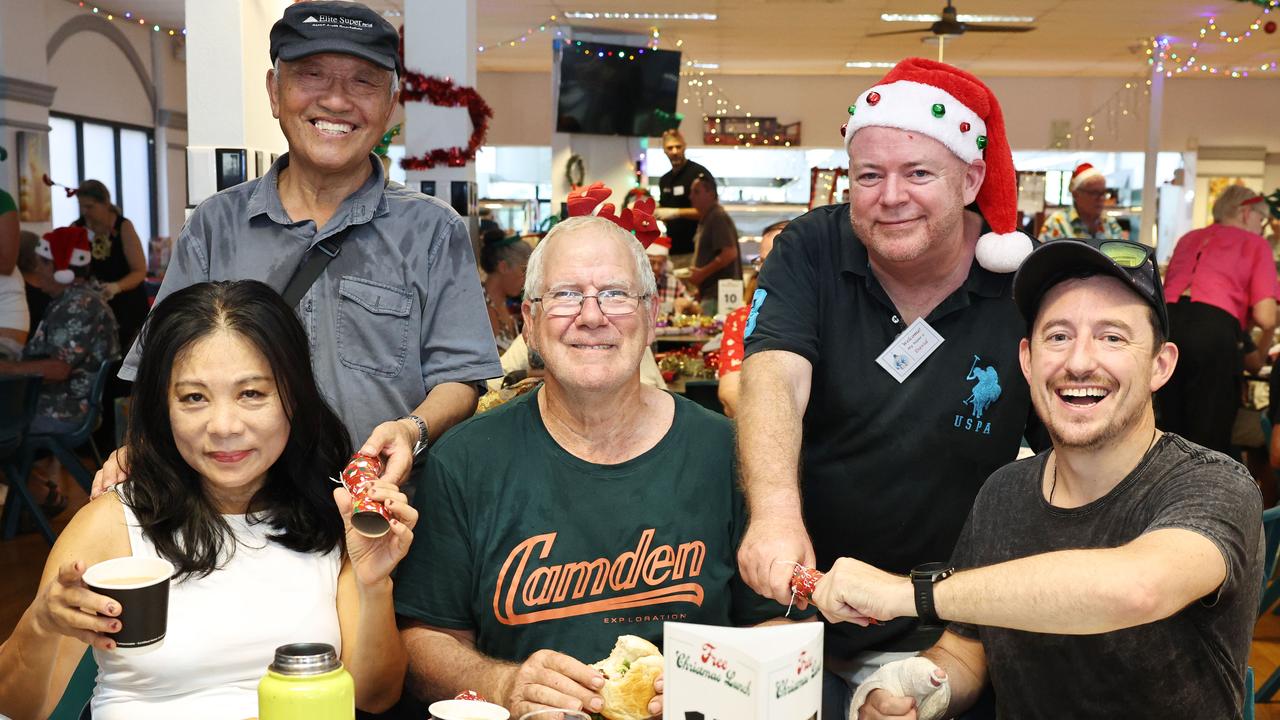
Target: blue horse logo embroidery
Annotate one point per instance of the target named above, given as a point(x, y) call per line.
point(987, 389)
point(757, 299)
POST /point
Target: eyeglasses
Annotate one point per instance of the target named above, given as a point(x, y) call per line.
point(1096, 194)
point(568, 303)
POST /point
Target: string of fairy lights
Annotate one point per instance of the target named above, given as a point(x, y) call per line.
point(1163, 53)
point(716, 107)
point(128, 17)
point(1165, 57)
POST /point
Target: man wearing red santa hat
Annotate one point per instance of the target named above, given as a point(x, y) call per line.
point(672, 295)
point(1084, 219)
point(881, 385)
point(77, 334)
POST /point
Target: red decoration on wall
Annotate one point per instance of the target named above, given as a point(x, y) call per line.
point(417, 87)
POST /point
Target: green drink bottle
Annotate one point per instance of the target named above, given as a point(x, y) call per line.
point(306, 682)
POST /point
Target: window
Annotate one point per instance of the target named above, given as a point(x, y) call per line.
point(120, 156)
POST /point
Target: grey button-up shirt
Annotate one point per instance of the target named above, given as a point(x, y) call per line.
point(399, 311)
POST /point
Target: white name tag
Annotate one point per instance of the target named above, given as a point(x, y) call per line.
point(909, 350)
point(677, 190)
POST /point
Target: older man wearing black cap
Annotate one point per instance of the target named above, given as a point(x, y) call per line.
point(384, 279)
point(1116, 575)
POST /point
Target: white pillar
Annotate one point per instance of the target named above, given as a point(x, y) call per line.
point(1155, 108)
point(228, 56)
point(440, 41)
point(160, 142)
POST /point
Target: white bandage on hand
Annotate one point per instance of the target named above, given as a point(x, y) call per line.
point(915, 677)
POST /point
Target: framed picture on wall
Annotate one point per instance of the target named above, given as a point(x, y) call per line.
point(35, 204)
point(230, 166)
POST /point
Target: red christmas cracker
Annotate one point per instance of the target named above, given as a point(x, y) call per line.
point(368, 517)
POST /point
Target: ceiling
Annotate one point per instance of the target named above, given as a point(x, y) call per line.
point(788, 37)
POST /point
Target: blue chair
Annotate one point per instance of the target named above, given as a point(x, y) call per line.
point(63, 445)
point(1270, 591)
point(18, 397)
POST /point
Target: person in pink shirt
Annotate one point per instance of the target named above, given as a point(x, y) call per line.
point(1221, 282)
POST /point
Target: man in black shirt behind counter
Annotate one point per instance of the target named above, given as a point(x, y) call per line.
point(674, 205)
point(882, 355)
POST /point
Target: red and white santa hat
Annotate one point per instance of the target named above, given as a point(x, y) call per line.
point(956, 109)
point(1083, 173)
point(66, 247)
point(660, 247)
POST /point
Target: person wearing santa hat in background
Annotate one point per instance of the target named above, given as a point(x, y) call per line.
point(1084, 219)
point(672, 295)
point(860, 432)
point(77, 334)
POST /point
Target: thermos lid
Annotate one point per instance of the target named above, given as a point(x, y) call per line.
point(305, 659)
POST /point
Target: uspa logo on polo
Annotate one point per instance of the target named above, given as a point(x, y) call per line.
point(757, 299)
point(984, 393)
point(337, 21)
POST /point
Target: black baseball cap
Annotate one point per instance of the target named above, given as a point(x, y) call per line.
point(1057, 260)
point(348, 28)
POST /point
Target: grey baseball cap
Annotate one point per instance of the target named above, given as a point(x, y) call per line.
point(347, 28)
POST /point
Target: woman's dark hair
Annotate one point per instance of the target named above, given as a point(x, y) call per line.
point(497, 247)
point(167, 496)
point(96, 191)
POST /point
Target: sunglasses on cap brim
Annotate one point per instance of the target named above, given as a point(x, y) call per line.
point(1124, 253)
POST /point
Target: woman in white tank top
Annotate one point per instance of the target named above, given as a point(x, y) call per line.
point(230, 449)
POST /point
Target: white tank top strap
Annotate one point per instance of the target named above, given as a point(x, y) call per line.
point(139, 546)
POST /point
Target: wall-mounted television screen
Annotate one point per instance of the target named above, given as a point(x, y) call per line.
point(615, 89)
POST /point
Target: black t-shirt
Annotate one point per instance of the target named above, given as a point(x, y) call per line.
point(532, 547)
point(888, 470)
point(1189, 665)
point(674, 193)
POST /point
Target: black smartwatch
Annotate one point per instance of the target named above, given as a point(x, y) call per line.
point(923, 578)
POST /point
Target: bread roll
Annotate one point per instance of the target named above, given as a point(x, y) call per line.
point(629, 671)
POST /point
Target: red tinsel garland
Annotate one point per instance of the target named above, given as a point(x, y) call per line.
point(417, 87)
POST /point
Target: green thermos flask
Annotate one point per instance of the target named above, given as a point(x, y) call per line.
point(306, 682)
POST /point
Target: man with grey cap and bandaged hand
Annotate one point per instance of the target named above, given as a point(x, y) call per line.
point(1115, 575)
point(396, 319)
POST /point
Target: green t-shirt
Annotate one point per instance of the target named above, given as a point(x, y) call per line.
point(532, 547)
point(6, 203)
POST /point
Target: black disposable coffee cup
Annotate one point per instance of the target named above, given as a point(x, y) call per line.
point(141, 586)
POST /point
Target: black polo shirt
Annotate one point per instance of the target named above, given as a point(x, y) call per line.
point(674, 193)
point(888, 470)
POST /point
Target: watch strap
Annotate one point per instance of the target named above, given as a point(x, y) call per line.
point(423, 437)
point(923, 580)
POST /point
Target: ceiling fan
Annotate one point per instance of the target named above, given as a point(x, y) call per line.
point(949, 25)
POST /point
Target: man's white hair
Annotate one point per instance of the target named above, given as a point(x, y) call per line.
point(643, 273)
point(395, 79)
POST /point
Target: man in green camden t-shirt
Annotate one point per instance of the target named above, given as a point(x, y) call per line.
point(593, 508)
